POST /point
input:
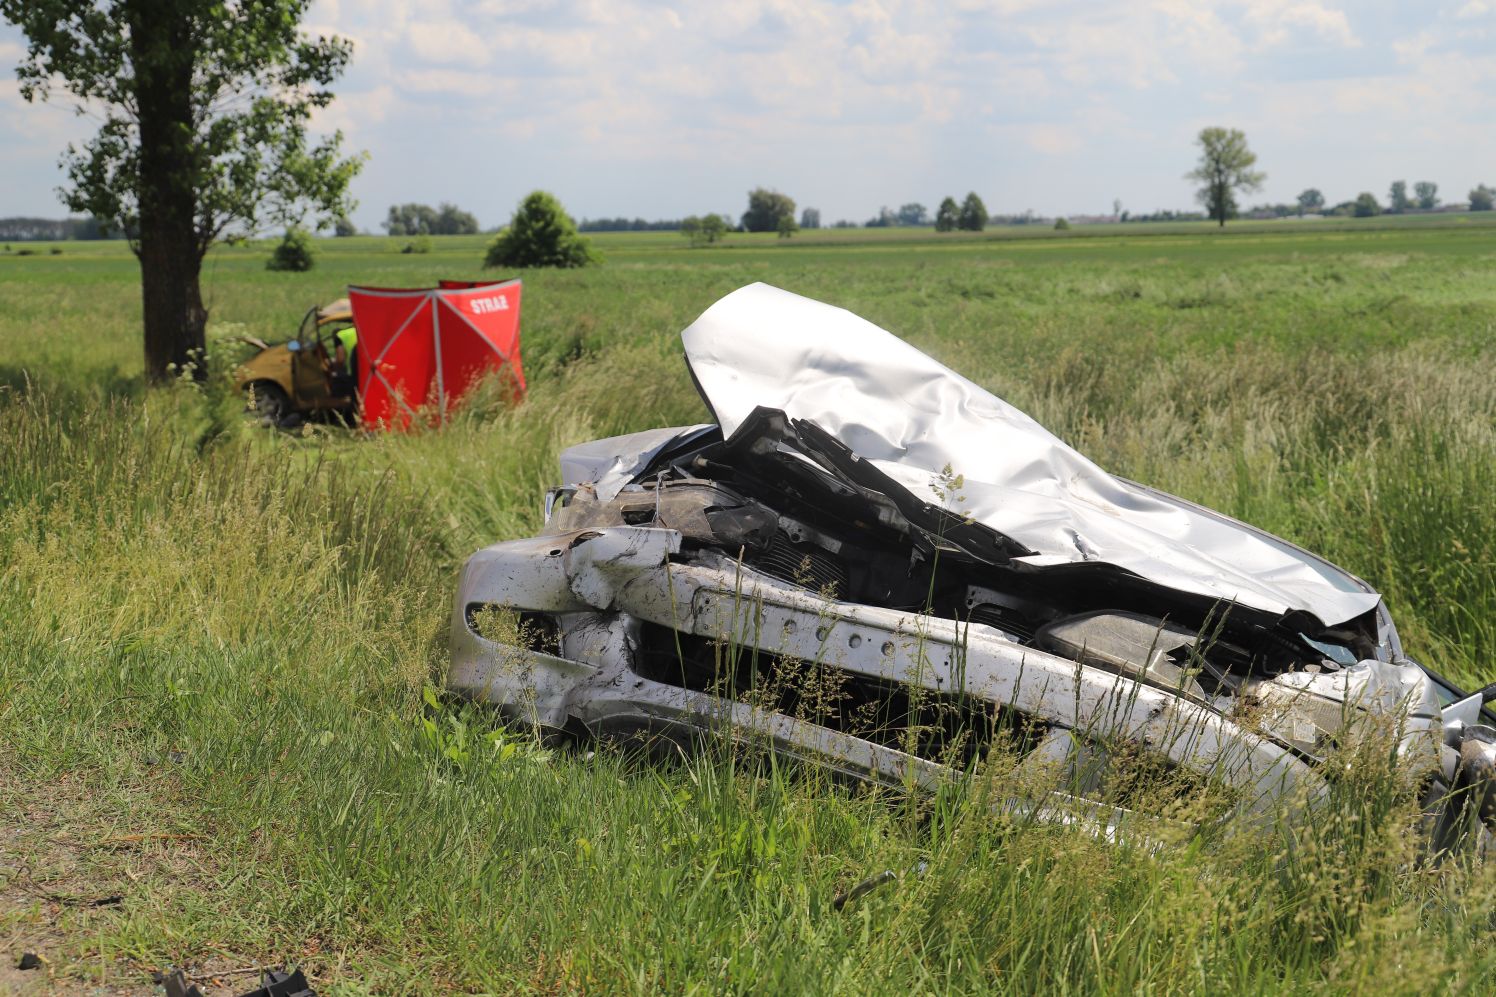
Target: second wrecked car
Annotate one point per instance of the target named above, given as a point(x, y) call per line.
point(870, 562)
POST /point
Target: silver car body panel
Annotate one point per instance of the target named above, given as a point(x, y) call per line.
point(605, 583)
point(914, 418)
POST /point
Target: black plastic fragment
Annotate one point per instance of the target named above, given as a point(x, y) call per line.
point(277, 983)
point(29, 960)
point(177, 986)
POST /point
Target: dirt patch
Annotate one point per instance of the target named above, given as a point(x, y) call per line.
point(81, 865)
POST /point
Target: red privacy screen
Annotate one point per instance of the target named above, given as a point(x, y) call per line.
point(420, 350)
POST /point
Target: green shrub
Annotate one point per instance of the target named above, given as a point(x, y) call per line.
point(420, 244)
point(541, 234)
point(1367, 206)
point(1061, 225)
point(293, 253)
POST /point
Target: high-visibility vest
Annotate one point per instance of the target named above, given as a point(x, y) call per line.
point(348, 337)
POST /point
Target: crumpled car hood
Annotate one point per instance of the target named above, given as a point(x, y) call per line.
point(913, 418)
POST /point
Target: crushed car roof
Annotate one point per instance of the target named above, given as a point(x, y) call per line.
point(918, 422)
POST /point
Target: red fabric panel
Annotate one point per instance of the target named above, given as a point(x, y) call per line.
point(480, 332)
point(396, 360)
point(421, 350)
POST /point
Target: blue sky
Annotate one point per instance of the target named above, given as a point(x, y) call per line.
point(624, 107)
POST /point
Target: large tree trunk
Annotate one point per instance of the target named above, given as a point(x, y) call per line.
point(170, 253)
point(171, 299)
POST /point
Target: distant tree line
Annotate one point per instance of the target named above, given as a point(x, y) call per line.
point(908, 215)
point(422, 219)
point(1164, 216)
point(1027, 218)
point(1226, 169)
point(627, 225)
point(1424, 197)
point(53, 229)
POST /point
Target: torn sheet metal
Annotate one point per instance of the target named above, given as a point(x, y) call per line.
point(913, 418)
point(607, 465)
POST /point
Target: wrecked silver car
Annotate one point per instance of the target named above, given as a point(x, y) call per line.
point(869, 562)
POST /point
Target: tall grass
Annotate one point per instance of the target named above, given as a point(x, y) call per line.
point(235, 634)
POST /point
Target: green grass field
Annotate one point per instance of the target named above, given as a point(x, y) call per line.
point(219, 644)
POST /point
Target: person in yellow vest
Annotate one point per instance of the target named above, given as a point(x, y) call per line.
point(344, 368)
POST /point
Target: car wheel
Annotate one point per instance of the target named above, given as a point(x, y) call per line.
point(268, 401)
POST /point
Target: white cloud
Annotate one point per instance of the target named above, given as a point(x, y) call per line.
point(1283, 21)
point(448, 42)
point(1053, 140)
point(39, 129)
point(355, 113)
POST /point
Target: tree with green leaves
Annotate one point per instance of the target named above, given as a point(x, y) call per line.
point(541, 234)
point(1481, 198)
point(765, 209)
point(810, 218)
point(1427, 194)
point(714, 228)
point(973, 214)
point(204, 109)
point(947, 216)
point(1398, 200)
point(1311, 200)
point(1366, 205)
point(787, 227)
point(703, 230)
point(1225, 168)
